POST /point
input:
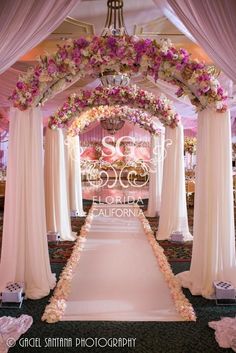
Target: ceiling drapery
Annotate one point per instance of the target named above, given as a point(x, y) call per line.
point(25, 23)
point(212, 24)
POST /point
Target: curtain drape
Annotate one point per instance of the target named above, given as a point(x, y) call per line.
point(56, 195)
point(173, 213)
point(25, 23)
point(74, 176)
point(155, 182)
point(24, 255)
point(212, 24)
point(214, 239)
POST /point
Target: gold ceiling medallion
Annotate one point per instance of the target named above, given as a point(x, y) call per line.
point(72, 28)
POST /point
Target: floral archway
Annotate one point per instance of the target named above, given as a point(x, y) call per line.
point(127, 55)
point(131, 96)
point(130, 55)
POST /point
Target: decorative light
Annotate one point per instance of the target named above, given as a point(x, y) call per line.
point(114, 79)
point(112, 125)
point(114, 26)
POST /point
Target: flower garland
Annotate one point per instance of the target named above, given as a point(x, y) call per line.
point(100, 96)
point(135, 116)
point(190, 144)
point(56, 308)
point(98, 144)
point(182, 304)
point(82, 57)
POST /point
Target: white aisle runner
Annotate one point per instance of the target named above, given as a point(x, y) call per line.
point(118, 277)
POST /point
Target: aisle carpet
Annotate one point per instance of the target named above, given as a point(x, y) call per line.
point(118, 277)
point(151, 337)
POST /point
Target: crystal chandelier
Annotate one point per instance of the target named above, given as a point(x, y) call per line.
point(112, 125)
point(114, 26)
point(111, 79)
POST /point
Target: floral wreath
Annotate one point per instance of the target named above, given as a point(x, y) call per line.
point(100, 55)
point(135, 116)
point(122, 96)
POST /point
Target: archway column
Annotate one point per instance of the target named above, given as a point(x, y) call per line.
point(213, 255)
point(56, 195)
point(74, 176)
point(24, 255)
point(173, 212)
point(155, 181)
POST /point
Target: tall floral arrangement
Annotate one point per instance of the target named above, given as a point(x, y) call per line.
point(102, 96)
point(190, 144)
point(81, 57)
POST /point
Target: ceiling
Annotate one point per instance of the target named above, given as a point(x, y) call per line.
point(142, 18)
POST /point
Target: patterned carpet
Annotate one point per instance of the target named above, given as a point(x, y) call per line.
point(60, 251)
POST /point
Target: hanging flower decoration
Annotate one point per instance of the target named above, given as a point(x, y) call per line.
point(134, 116)
point(81, 57)
point(122, 96)
point(190, 144)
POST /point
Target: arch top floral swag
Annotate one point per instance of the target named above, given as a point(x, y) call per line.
point(126, 97)
point(125, 113)
point(80, 58)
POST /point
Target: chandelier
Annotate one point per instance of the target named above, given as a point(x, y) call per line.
point(112, 125)
point(111, 79)
point(114, 26)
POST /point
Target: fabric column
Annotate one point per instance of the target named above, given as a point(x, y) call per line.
point(155, 182)
point(24, 255)
point(214, 238)
point(173, 213)
point(74, 176)
point(57, 206)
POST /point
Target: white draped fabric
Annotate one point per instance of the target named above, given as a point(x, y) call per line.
point(214, 239)
point(12, 328)
point(56, 196)
point(212, 24)
point(24, 254)
point(25, 23)
point(173, 213)
point(155, 181)
point(74, 176)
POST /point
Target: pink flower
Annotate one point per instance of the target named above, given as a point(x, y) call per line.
point(20, 85)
